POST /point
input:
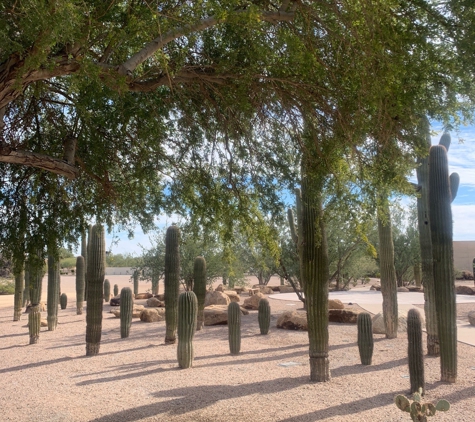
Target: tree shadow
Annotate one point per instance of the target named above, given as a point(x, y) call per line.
point(361, 369)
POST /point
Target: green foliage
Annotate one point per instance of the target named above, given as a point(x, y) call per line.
point(68, 262)
point(123, 260)
point(418, 410)
point(187, 314)
point(7, 287)
point(365, 337)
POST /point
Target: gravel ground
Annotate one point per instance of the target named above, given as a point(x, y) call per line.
point(138, 379)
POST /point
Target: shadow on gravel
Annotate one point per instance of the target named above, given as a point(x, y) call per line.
point(361, 369)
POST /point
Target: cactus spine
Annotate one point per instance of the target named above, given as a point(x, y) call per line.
point(107, 290)
point(80, 284)
point(63, 301)
point(442, 190)
point(172, 278)
point(52, 301)
point(263, 316)
point(187, 313)
point(414, 351)
point(199, 288)
point(126, 309)
point(116, 290)
point(365, 337)
point(95, 273)
point(234, 328)
point(136, 282)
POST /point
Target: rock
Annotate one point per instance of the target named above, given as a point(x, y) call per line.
point(217, 298)
point(467, 275)
point(263, 289)
point(233, 296)
point(375, 287)
point(115, 301)
point(143, 295)
point(344, 316)
point(286, 289)
point(402, 289)
point(44, 323)
point(41, 307)
point(220, 288)
point(252, 302)
point(378, 323)
point(275, 288)
point(240, 290)
point(464, 290)
point(152, 315)
point(137, 311)
point(115, 312)
point(335, 304)
point(153, 302)
point(471, 317)
point(293, 320)
point(244, 311)
point(415, 289)
point(160, 297)
point(216, 315)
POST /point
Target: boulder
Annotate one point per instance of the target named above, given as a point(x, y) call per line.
point(263, 289)
point(115, 301)
point(402, 289)
point(220, 288)
point(252, 302)
point(152, 315)
point(216, 315)
point(160, 297)
point(153, 302)
point(275, 288)
point(143, 295)
point(286, 289)
point(335, 304)
point(471, 317)
point(415, 289)
point(41, 308)
point(464, 290)
point(344, 316)
point(137, 311)
point(376, 287)
point(216, 298)
point(233, 296)
point(44, 323)
point(115, 312)
point(293, 320)
point(378, 323)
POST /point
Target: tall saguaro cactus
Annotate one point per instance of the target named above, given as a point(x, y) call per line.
point(35, 271)
point(80, 284)
point(172, 282)
point(19, 288)
point(187, 313)
point(53, 292)
point(425, 241)
point(96, 264)
point(442, 190)
point(199, 288)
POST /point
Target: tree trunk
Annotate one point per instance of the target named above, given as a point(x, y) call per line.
point(388, 273)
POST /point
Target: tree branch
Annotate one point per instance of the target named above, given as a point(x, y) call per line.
point(41, 161)
point(153, 46)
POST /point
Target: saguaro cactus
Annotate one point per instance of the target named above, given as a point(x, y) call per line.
point(126, 309)
point(365, 337)
point(234, 328)
point(155, 281)
point(187, 313)
point(96, 264)
point(116, 289)
point(136, 282)
point(107, 290)
point(26, 290)
point(172, 279)
point(19, 288)
point(35, 271)
point(80, 284)
point(263, 316)
point(63, 301)
point(414, 351)
point(442, 190)
point(199, 288)
point(53, 292)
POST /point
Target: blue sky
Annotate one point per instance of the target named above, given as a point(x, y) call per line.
point(461, 160)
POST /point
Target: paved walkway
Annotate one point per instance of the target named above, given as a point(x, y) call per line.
point(372, 301)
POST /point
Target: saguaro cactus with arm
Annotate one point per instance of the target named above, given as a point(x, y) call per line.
point(96, 264)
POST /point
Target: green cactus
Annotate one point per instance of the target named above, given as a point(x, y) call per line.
point(415, 352)
point(19, 288)
point(96, 264)
point(34, 323)
point(86, 257)
point(365, 337)
point(107, 290)
point(80, 284)
point(26, 290)
point(155, 281)
point(52, 301)
point(63, 301)
point(187, 314)
point(199, 288)
point(263, 316)
point(135, 276)
point(442, 191)
point(172, 282)
point(234, 328)
point(126, 309)
point(116, 290)
point(297, 232)
point(420, 411)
